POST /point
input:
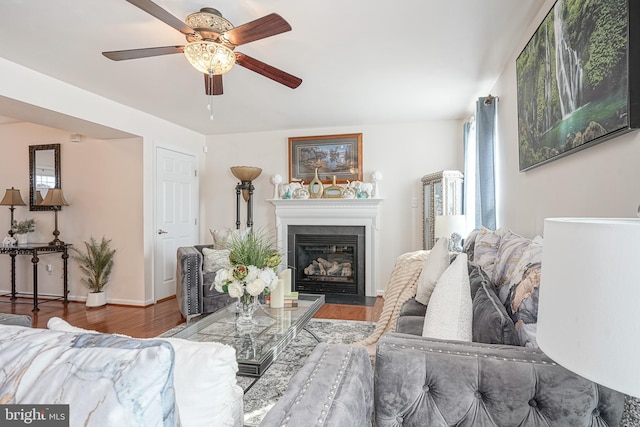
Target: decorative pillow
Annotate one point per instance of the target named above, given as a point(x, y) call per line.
point(436, 263)
point(486, 249)
point(491, 323)
point(522, 305)
point(215, 259)
point(449, 311)
point(220, 238)
point(105, 381)
point(201, 369)
point(470, 243)
point(512, 246)
point(532, 255)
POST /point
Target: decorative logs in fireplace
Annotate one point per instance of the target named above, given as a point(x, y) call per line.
point(321, 269)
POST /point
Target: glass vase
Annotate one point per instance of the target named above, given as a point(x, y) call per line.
point(246, 306)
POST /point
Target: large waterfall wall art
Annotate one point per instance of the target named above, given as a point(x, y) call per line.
point(578, 79)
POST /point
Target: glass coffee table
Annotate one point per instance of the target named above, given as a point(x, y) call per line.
point(258, 347)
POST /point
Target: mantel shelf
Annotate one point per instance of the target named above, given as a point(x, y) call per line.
point(325, 202)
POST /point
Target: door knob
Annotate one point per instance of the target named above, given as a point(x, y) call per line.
point(161, 231)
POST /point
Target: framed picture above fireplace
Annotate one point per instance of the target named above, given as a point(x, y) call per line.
point(578, 79)
point(332, 155)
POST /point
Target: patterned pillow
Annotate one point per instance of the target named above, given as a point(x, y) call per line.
point(215, 259)
point(486, 249)
point(532, 255)
point(201, 368)
point(105, 381)
point(511, 248)
point(522, 305)
point(470, 243)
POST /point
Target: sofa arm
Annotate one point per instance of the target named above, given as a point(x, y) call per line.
point(189, 280)
point(333, 388)
point(421, 381)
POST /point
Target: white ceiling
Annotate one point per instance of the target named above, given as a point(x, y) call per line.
point(361, 61)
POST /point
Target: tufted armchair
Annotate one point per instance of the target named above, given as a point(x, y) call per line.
point(427, 382)
point(193, 291)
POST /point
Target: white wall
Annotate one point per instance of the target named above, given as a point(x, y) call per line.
point(23, 87)
point(403, 152)
point(601, 181)
point(102, 182)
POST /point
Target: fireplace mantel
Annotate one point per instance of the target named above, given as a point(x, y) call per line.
point(362, 212)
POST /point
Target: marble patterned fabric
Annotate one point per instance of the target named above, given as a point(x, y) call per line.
point(106, 380)
point(201, 369)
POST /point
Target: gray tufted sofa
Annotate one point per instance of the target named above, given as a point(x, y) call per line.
point(429, 382)
point(192, 285)
point(420, 381)
point(333, 388)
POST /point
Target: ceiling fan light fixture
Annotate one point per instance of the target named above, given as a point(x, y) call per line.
point(209, 57)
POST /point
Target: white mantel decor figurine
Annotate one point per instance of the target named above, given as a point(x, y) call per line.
point(376, 177)
point(276, 180)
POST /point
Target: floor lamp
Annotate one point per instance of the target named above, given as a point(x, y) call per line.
point(55, 199)
point(245, 174)
point(12, 199)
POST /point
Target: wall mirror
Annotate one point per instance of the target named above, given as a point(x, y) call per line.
point(44, 173)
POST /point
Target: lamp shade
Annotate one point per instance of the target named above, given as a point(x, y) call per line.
point(54, 197)
point(589, 296)
point(446, 225)
point(246, 173)
point(12, 198)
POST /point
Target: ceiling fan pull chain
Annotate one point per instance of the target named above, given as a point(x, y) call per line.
point(210, 95)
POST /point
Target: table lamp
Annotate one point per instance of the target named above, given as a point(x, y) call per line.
point(447, 225)
point(12, 198)
point(589, 293)
point(55, 198)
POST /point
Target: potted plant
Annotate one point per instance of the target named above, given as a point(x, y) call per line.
point(21, 228)
point(96, 263)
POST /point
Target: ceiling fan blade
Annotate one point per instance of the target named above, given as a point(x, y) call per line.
point(157, 12)
point(213, 84)
point(121, 55)
point(261, 28)
point(268, 71)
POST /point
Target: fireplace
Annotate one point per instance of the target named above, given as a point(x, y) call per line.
point(327, 259)
point(326, 213)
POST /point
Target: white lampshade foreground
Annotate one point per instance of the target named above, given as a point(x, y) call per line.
point(588, 313)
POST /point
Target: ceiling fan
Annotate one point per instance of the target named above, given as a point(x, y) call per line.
point(211, 41)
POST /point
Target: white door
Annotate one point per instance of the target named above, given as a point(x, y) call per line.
point(176, 215)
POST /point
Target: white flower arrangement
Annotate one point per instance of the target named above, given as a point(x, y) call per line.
point(253, 263)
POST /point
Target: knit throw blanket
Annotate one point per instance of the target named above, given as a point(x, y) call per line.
point(401, 288)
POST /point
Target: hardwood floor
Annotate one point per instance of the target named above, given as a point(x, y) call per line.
point(151, 321)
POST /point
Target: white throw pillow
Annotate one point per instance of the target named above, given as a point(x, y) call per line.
point(436, 263)
point(206, 388)
point(220, 237)
point(215, 259)
point(449, 313)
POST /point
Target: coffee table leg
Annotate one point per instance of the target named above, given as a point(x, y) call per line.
point(255, 380)
point(312, 334)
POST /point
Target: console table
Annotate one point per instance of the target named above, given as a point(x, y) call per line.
point(36, 249)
